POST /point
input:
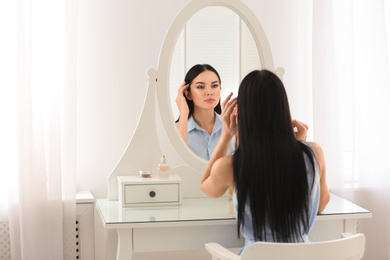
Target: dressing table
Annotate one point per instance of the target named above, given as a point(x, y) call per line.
point(201, 220)
point(198, 219)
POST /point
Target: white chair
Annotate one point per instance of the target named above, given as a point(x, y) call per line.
point(349, 247)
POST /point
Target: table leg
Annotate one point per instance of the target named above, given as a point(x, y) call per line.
point(125, 244)
point(350, 226)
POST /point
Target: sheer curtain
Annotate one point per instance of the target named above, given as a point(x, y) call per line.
point(351, 95)
point(39, 106)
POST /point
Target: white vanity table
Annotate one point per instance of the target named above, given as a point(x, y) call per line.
point(197, 220)
point(201, 220)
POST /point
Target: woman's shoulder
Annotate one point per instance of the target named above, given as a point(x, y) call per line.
point(313, 146)
point(316, 147)
point(319, 153)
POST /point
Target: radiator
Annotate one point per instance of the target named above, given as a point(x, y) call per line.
point(81, 238)
point(72, 247)
point(5, 246)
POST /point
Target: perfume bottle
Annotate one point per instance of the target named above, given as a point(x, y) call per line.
point(163, 168)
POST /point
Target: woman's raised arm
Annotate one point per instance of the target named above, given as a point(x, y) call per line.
point(218, 175)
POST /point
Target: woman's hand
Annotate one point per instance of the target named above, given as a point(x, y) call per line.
point(229, 115)
point(181, 100)
point(300, 130)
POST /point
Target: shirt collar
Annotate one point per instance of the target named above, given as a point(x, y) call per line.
point(191, 125)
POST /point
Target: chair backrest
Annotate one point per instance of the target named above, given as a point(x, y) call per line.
point(349, 248)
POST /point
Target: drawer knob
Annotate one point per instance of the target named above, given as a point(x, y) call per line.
point(152, 194)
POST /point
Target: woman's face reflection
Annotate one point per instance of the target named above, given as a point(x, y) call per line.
point(205, 91)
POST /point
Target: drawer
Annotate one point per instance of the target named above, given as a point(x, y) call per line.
point(151, 193)
point(134, 191)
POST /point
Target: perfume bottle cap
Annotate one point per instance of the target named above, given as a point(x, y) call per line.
point(163, 160)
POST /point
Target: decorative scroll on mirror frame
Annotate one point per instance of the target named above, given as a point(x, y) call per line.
point(145, 139)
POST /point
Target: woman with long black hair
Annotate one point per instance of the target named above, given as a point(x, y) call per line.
point(279, 182)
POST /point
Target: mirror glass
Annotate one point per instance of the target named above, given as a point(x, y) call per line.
point(215, 35)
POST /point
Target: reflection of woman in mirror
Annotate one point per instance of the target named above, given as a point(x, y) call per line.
point(279, 182)
point(198, 101)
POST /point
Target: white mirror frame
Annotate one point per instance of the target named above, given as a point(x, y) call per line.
point(164, 66)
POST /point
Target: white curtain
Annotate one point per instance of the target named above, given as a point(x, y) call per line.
point(351, 108)
point(39, 49)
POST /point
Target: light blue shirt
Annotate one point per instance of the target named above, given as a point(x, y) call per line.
point(201, 142)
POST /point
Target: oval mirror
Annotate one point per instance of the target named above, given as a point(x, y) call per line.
point(246, 19)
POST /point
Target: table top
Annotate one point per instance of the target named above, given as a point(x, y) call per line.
point(338, 206)
point(206, 209)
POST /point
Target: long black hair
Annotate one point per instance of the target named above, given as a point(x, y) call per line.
point(190, 76)
point(269, 166)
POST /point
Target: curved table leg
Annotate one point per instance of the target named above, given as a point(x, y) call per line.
point(125, 244)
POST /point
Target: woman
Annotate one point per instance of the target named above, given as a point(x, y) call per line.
point(279, 183)
point(198, 101)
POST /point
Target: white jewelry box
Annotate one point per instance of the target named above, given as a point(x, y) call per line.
point(136, 191)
